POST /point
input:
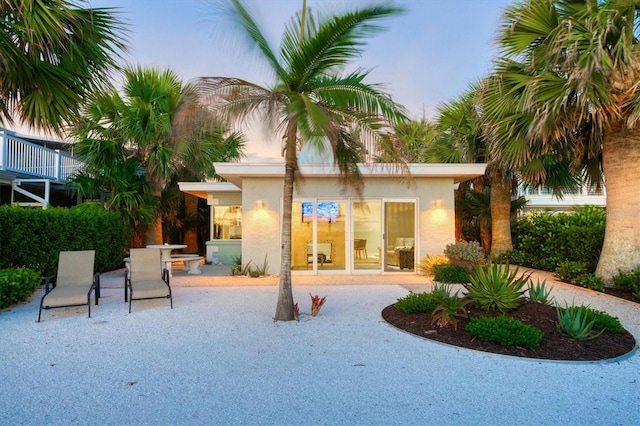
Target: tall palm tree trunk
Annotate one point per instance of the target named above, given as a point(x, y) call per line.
point(154, 228)
point(620, 160)
point(284, 307)
point(500, 214)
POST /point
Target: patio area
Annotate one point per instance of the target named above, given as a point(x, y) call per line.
point(218, 358)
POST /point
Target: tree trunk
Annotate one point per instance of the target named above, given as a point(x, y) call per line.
point(154, 228)
point(485, 236)
point(284, 307)
point(458, 215)
point(620, 160)
point(190, 233)
point(500, 214)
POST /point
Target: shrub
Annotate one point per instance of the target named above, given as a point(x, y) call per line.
point(570, 269)
point(628, 281)
point(465, 250)
point(33, 238)
point(418, 302)
point(16, 285)
point(450, 273)
point(545, 240)
point(496, 287)
point(589, 281)
point(429, 261)
point(576, 322)
point(605, 322)
point(538, 293)
point(505, 331)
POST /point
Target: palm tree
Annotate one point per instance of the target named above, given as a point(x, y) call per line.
point(416, 137)
point(572, 69)
point(157, 126)
point(467, 134)
point(53, 54)
point(311, 102)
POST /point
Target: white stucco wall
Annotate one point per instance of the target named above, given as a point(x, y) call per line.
point(261, 225)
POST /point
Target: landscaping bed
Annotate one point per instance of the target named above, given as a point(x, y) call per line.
point(553, 346)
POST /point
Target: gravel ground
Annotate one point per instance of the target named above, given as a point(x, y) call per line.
point(218, 358)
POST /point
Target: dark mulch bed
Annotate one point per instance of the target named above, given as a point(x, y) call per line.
point(553, 345)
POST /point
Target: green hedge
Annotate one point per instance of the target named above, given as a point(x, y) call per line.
point(33, 238)
point(17, 285)
point(545, 240)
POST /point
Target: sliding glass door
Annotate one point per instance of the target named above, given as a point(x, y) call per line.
point(318, 233)
point(330, 235)
point(399, 231)
point(367, 235)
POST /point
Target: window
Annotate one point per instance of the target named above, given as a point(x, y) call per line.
point(227, 222)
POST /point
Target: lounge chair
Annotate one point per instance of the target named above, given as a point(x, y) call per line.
point(74, 282)
point(147, 279)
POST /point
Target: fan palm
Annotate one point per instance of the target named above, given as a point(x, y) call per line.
point(572, 70)
point(53, 53)
point(157, 126)
point(311, 102)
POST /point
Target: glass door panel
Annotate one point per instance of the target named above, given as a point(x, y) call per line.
point(302, 213)
point(331, 235)
point(367, 235)
point(399, 229)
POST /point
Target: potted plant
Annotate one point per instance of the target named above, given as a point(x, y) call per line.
point(465, 254)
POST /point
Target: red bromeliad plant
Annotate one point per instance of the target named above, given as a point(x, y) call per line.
point(296, 312)
point(316, 304)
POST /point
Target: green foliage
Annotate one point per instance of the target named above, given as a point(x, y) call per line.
point(251, 268)
point(496, 287)
point(538, 293)
point(237, 268)
point(570, 269)
point(576, 322)
point(605, 322)
point(450, 309)
point(429, 261)
point(545, 240)
point(450, 273)
point(628, 281)
point(465, 250)
point(16, 285)
point(589, 281)
point(418, 302)
point(505, 331)
point(33, 238)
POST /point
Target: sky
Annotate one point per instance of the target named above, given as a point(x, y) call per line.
point(425, 57)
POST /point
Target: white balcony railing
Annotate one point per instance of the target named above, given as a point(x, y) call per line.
point(29, 160)
point(540, 199)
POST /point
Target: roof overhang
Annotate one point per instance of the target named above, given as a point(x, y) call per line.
point(236, 172)
point(201, 189)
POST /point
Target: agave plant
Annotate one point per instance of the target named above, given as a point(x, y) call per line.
point(539, 293)
point(451, 308)
point(496, 287)
point(575, 322)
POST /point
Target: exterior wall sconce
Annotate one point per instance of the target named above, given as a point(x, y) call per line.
point(437, 204)
point(260, 204)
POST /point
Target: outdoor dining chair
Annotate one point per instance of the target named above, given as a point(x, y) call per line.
point(146, 278)
point(73, 283)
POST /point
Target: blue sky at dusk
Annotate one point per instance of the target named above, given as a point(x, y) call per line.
point(427, 56)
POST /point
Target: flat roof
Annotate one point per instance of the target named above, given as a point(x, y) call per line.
point(235, 172)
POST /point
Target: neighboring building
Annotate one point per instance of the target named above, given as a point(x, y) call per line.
point(34, 170)
point(395, 223)
point(541, 199)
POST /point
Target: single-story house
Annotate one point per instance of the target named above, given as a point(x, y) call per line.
point(395, 222)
